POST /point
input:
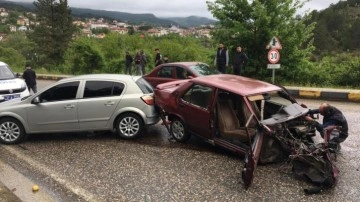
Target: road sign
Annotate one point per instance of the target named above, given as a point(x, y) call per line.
point(274, 44)
point(273, 66)
point(273, 56)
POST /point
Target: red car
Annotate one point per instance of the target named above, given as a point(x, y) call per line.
point(252, 118)
point(177, 71)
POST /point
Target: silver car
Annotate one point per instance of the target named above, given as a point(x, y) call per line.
point(82, 103)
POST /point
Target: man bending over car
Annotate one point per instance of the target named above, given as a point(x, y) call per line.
point(332, 117)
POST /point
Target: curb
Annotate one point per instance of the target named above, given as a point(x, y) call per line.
point(326, 94)
point(51, 77)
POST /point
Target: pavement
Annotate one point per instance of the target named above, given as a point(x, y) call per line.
point(351, 95)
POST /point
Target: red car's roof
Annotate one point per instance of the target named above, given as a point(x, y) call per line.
point(238, 84)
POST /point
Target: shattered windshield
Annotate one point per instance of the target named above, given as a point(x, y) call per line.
point(275, 107)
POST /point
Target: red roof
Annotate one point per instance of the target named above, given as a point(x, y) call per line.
point(237, 84)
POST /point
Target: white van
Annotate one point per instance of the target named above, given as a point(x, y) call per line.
point(11, 87)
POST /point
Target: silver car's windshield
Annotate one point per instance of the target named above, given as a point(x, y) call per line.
point(203, 69)
point(6, 73)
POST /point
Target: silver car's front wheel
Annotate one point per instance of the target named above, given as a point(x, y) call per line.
point(178, 130)
point(129, 126)
point(11, 131)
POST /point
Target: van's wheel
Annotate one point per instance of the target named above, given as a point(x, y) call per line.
point(129, 126)
point(178, 130)
point(11, 131)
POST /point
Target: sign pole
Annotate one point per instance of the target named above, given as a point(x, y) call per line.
point(273, 76)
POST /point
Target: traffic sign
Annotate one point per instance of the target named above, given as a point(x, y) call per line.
point(274, 44)
point(273, 56)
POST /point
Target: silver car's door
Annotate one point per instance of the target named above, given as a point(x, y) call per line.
point(55, 109)
point(99, 102)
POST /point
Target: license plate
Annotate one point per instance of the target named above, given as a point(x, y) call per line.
point(10, 97)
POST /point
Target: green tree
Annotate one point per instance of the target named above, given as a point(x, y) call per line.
point(54, 32)
point(84, 56)
point(23, 45)
point(253, 23)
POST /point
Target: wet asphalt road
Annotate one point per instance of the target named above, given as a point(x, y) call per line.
point(101, 167)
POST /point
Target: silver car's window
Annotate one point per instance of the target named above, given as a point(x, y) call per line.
point(6, 73)
point(145, 87)
point(64, 91)
point(102, 89)
point(165, 72)
point(198, 95)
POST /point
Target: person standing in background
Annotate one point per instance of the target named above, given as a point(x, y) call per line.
point(222, 58)
point(128, 63)
point(158, 57)
point(29, 76)
point(143, 62)
point(166, 59)
point(138, 66)
point(239, 60)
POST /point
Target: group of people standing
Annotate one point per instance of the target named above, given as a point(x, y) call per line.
point(239, 59)
point(140, 61)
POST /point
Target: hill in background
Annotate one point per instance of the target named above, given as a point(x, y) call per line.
point(149, 19)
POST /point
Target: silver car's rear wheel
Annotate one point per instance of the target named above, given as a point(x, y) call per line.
point(129, 126)
point(178, 130)
point(11, 131)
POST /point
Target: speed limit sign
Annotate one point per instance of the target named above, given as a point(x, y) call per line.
point(273, 56)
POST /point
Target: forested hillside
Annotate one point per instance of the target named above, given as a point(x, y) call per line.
point(337, 27)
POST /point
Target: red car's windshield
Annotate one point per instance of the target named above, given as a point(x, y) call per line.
point(203, 69)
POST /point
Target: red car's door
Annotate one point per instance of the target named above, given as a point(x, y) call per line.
point(195, 108)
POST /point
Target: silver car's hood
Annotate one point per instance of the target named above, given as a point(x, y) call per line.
point(289, 112)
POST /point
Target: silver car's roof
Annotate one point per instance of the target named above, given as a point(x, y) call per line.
point(102, 77)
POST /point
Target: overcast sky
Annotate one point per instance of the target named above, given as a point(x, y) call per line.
point(166, 8)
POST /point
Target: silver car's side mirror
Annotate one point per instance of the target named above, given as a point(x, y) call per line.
point(35, 100)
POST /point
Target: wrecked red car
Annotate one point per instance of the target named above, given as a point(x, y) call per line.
point(255, 119)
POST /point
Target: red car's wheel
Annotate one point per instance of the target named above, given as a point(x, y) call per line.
point(178, 130)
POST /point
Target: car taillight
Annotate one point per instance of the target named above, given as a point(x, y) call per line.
point(148, 99)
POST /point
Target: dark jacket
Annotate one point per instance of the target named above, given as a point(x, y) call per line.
point(334, 117)
point(128, 60)
point(221, 56)
point(137, 59)
point(158, 59)
point(239, 59)
point(30, 77)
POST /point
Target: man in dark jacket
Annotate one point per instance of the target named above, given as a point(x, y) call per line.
point(239, 60)
point(222, 58)
point(29, 76)
point(158, 57)
point(332, 117)
point(128, 63)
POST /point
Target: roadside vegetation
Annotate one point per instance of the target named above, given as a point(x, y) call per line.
point(314, 52)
